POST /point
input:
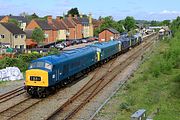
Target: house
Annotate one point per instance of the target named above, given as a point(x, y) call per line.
point(78, 27)
point(108, 34)
point(22, 21)
point(4, 19)
point(87, 26)
point(62, 29)
point(96, 23)
point(71, 33)
point(29, 41)
point(49, 31)
point(12, 36)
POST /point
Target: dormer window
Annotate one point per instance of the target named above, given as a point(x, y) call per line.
point(22, 36)
point(2, 36)
point(16, 36)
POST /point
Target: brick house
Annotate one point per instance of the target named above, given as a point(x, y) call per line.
point(49, 31)
point(12, 36)
point(71, 32)
point(78, 27)
point(108, 34)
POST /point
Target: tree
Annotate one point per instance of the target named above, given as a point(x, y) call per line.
point(73, 11)
point(38, 35)
point(129, 23)
point(166, 22)
point(108, 22)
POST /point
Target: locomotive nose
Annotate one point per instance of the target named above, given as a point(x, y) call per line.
point(36, 77)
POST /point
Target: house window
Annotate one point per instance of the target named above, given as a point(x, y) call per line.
point(16, 36)
point(22, 36)
point(2, 36)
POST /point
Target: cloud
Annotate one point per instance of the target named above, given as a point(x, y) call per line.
point(170, 12)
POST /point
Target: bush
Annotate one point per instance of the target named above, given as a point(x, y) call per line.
point(21, 61)
point(124, 106)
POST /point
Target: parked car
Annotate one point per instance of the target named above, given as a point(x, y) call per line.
point(68, 43)
point(84, 41)
point(77, 41)
point(60, 46)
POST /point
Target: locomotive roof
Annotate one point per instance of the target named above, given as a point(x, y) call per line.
point(65, 55)
point(104, 44)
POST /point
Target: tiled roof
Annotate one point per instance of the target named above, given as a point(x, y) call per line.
point(68, 23)
point(76, 21)
point(1, 17)
point(44, 25)
point(28, 33)
point(13, 28)
point(84, 21)
point(60, 25)
point(112, 30)
point(19, 18)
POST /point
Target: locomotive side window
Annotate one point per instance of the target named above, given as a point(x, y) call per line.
point(48, 66)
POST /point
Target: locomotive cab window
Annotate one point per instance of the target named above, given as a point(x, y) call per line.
point(41, 65)
point(48, 66)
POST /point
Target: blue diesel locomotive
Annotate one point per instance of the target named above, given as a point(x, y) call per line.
point(47, 73)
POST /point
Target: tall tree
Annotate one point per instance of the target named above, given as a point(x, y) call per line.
point(129, 23)
point(166, 22)
point(73, 11)
point(38, 35)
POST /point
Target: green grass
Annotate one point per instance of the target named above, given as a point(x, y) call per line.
point(156, 84)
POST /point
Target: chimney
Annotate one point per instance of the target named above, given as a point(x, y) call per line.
point(90, 18)
point(69, 16)
point(49, 19)
point(75, 16)
point(58, 19)
point(81, 16)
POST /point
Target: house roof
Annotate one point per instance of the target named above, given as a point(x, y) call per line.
point(60, 25)
point(13, 28)
point(76, 21)
point(1, 17)
point(68, 23)
point(112, 30)
point(84, 21)
point(44, 25)
point(19, 18)
point(28, 33)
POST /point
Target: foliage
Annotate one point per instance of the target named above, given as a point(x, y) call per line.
point(53, 51)
point(175, 25)
point(129, 23)
point(73, 11)
point(166, 22)
point(38, 35)
point(21, 61)
point(14, 21)
point(33, 16)
point(108, 22)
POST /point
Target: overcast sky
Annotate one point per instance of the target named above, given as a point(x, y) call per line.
point(119, 9)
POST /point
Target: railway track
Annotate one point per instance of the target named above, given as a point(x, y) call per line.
point(11, 94)
point(75, 103)
point(17, 109)
point(92, 88)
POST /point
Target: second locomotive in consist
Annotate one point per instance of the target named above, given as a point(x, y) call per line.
point(47, 73)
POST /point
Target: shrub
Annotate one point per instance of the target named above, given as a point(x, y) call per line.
point(124, 106)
